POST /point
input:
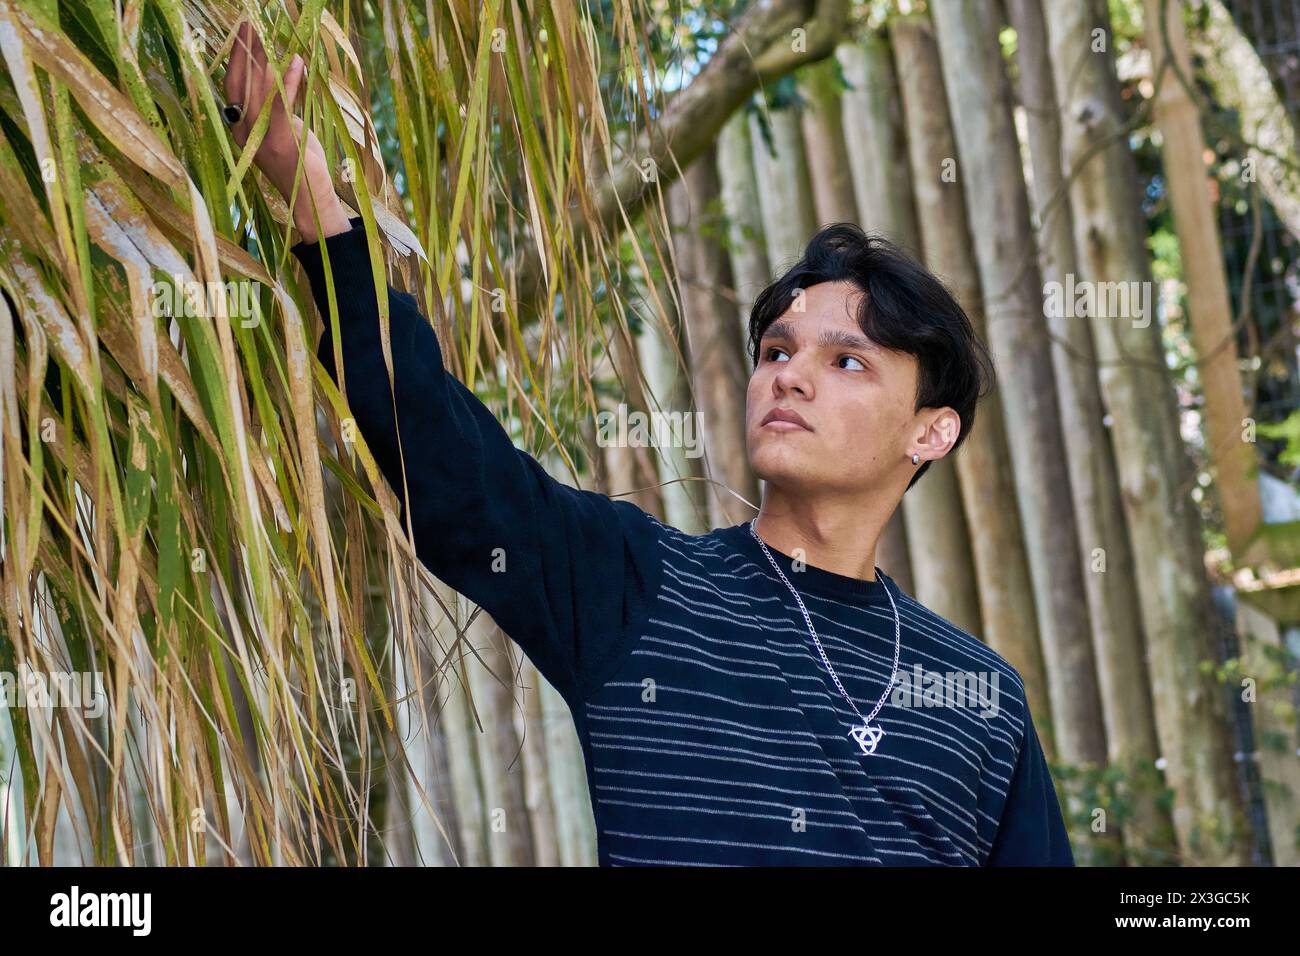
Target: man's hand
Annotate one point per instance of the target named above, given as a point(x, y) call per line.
point(249, 82)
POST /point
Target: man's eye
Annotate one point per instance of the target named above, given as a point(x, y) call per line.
point(852, 359)
point(773, 349)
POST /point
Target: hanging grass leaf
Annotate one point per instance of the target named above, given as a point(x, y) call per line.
point(188, 515)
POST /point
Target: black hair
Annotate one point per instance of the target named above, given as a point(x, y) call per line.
point(905, 309)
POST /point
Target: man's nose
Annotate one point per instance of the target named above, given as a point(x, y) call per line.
point(793, 376)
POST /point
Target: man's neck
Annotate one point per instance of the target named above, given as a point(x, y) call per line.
point(836, 536)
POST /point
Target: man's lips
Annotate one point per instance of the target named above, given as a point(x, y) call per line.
point(785, 419)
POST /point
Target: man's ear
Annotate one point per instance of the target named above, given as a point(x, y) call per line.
point(939, 431)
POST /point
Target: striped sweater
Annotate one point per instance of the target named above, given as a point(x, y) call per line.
point(712, 732)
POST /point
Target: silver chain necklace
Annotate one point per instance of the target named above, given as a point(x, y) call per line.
point(866, 736)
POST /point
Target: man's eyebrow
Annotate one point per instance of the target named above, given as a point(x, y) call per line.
point(783, 329)
point(780, 329)
point(847, 340)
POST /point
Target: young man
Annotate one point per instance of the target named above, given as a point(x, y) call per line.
point(760, 694)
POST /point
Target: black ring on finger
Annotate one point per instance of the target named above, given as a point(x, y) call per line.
point(233, 112)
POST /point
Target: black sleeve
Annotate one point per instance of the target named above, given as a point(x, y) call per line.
point(563, 572)
point(1032, 830)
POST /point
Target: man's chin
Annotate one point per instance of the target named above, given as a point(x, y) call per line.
point(785, 466)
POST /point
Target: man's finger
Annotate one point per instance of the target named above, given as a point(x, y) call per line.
point(238, 68)
point(292, 80)
point(259, 52)
point(292, 83)
point(260, 83)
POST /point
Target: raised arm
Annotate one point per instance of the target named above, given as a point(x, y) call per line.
point(563, 572)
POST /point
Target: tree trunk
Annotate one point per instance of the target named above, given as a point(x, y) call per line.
point(823, 136)
point(1132, 744)
point(568, 780)
point(529, 726)
point(663, 360)
point(877, 143)
point(1241, 83)
point(462, 757)
point(786, 198)
point(998, 206)
point(630, 470)
point(509, 829)
point(1259, 621)
point(938, 541)
point(397, 839)
point(983, 464)
point(1182, 149)
point(435, 825)
point(745, 241)
point(718, 376)
point(1154, 468)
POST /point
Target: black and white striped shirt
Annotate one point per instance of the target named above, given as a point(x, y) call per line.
point(712, 732)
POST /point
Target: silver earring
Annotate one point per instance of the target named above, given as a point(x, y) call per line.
point(916, 459)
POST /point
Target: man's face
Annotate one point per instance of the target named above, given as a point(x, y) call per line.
point(856, 398)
